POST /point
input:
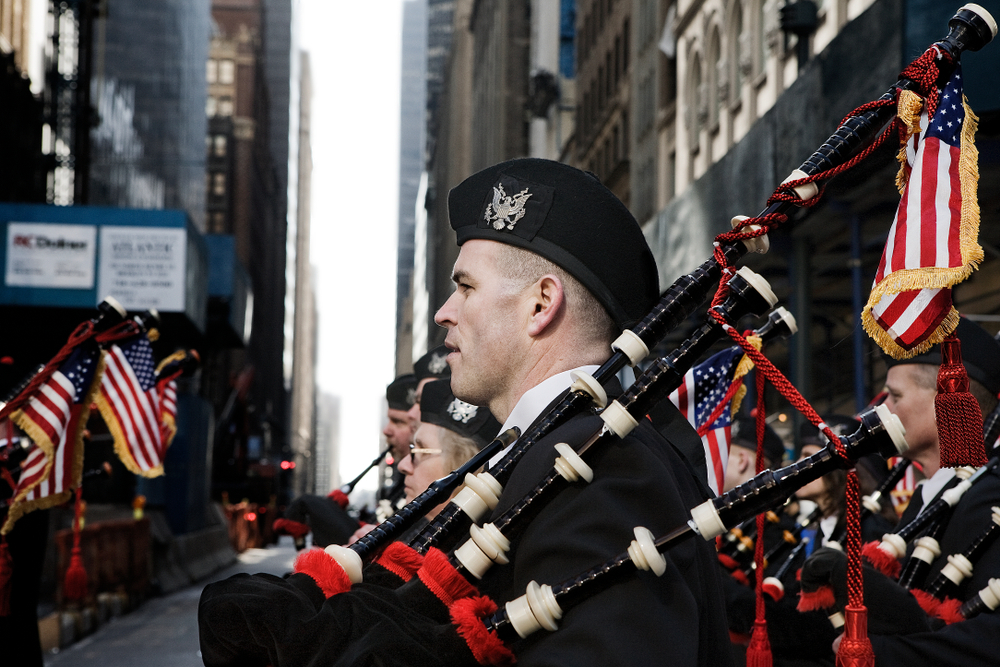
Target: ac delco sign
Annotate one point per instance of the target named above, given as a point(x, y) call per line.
point(49, 255)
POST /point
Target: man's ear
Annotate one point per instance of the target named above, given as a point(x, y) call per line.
point(746, 461)
point(546, 299)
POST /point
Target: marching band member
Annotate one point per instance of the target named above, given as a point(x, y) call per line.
point(551, 267)
point(912, 386)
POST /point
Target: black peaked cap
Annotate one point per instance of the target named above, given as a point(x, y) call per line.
point(439, 406)
point(434, 364)
point(980, 355)
point(401, 393)
point(568, 217)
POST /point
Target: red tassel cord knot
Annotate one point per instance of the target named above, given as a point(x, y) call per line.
point(75, 580)
point(855, 648)
point(959, 419)
point(759, 650)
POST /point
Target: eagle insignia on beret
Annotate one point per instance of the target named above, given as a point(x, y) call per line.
point(437, 363)
point(506, 211)
point(461, 411)
point(411, 396)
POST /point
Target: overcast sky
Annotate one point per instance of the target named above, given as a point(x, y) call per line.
point(355, 52)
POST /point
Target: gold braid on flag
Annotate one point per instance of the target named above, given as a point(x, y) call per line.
point(909, 107)
point(742, 368)
point(18, 506)
point(179, 355)
point(121, 440)
point(933, 277)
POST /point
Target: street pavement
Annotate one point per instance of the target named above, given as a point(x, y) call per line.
point(163, 632)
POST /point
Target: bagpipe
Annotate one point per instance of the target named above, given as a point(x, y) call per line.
point(431, 558)
point(889, 579)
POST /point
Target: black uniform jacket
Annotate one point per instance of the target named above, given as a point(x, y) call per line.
point(676, 619)
point(968, 643)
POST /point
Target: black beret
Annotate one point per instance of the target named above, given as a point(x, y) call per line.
point(434, 364)
point(568, 217)
point(744, 434)
point(980, 355)
point(439, 406)
point(839, 424)
point(401, 393)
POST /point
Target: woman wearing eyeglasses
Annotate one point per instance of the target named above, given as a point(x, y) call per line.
point(450, 433)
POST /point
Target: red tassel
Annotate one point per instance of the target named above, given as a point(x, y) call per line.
point(441, 578)
point(773, 589)
point(6, 578)
point(293, 528)
point(821, 598)
point(927, 602)
point(880, 560)
point(855, 647)
point(339, 497)
point(728, 561)
point(949, 611)
point(467, 616)
point(401, 560)
point(75, 580)
point(759, 650)
point(324, 570)
point(740, 576)
point(959, 419)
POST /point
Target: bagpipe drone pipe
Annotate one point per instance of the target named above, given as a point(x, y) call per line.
point(968, 31)
point(352, 620)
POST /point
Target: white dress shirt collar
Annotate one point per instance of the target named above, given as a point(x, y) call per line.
point(533, 401)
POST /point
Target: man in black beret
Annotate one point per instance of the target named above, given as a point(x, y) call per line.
point(551, 267)
point(400, 396)
point(911, 387)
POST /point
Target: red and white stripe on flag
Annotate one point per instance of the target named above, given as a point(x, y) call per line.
point(716, 445)
point(932, 242)
point(54, 418)
point(130, 405)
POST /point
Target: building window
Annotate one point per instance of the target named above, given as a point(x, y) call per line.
point(225, 106)
point(739, 58)
point(716, 82)
point(219, 145)
point(212, 70)
point(218, 222)
point(626, 46)
point(219, 184)
point(696, 104)
point(227, 72)
point(211, 106)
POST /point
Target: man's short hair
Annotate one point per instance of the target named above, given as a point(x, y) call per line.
point(926, 377)
point(524, 268)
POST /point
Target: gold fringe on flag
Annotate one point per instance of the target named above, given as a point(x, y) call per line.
point(742, 368)
point(18, 506)
point(933, 277)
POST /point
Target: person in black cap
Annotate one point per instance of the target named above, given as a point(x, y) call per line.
point(400, 396)
point(432, 366)
point(450, 433)
point(326, 516)
point(911, 386)
point(551, 267)
point(742, 463)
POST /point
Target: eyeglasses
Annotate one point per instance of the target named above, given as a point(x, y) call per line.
point(421, 454)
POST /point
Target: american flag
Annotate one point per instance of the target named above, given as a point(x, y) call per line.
point(130, 403)
point(54, 419)
point(932, 242)
point(703, 389)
